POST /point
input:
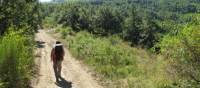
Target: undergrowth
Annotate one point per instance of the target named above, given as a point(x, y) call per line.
point(15, 60)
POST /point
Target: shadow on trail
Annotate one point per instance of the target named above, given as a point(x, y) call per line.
point(40, 44)
point(64, 84)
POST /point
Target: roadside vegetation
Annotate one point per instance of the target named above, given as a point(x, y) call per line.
point(18, 23)
point(132, 44)
point(16, 57)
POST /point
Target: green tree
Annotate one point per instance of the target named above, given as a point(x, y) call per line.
point(19, 13)
point(107, 22)
point(71, 18)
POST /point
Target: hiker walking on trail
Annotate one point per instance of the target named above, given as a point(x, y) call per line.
point(57, 56)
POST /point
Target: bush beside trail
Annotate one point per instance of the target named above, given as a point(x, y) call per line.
point(16, 60)
point(183, 52)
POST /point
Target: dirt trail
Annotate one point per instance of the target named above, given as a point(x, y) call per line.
point(75, 74)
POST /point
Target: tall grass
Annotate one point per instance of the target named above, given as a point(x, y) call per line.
point(15, 60)
point(124, 66)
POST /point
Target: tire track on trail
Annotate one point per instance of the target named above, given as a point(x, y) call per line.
point(75, 74)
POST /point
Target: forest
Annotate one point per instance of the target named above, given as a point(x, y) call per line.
point(128, 43)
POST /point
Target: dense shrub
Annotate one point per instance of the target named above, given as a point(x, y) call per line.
point(49, 22)
point(183, 50)
point(15, 60)
point(65, 31)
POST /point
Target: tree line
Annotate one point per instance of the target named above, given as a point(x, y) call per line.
point(139, 22)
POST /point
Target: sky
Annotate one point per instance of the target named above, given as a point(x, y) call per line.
point(44, 0)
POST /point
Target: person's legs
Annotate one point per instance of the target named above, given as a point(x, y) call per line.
point(55, 67)
point(59, 68)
